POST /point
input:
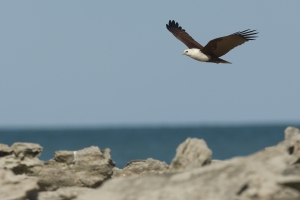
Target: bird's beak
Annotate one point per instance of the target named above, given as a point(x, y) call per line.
point(183, 53)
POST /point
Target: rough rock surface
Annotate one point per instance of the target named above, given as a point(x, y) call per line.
point(5, 150)
point(17, 187)
point(138, 168)
point(192, 153)
point(67, 193)
point(258, 176)
point(21, 158)
point(24, 150)
point(271, 174)
point(292, 170)
point(88, 167)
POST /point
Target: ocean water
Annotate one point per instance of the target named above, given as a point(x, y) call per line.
point(160, 143)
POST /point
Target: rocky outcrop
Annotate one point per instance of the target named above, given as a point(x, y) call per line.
point(66, 193)
point(259, 176)
point(86, 168)
point(21, 158)
point(5, 150)
point(17, 187)
point(192, 153)
point(139, 168)
point(271, 174)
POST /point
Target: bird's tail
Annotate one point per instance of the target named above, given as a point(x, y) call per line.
point(219, 60)
point(223, 61)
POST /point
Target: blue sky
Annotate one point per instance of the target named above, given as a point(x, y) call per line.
point(102, 63)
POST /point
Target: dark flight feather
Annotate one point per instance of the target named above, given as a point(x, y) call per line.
point(181, 35)
point(220, 46)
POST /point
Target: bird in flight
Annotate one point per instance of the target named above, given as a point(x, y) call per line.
point(215, 48)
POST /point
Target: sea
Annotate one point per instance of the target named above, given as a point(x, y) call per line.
point(139, 143)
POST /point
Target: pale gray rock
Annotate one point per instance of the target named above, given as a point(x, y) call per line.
point(24, 150)
point(88, 167)
point(5, 150)
point(292, 170)
point(192, 153)
point(21, 158)
point(291, 132)
point(137, 168)
point(55, 175)
point(67, 193)
point(17, 187)
point(260, 176)
point(215, 161)
point(292, 136)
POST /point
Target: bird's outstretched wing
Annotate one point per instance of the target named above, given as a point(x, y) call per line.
point(220, 46)
point(181, 35)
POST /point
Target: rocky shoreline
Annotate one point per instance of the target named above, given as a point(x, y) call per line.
point(90, 174)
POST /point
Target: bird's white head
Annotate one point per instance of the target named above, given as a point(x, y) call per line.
point(190, 52)
point(187, 52)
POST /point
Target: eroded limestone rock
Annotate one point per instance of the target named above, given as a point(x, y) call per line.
point(21, 158)
point(192, 153)
point(259, 176)
point(17, 187)
point(88, 167)
point(66, 193)
point(138, 168)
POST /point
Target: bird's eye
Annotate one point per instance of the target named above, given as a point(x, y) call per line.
point(186, 51)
